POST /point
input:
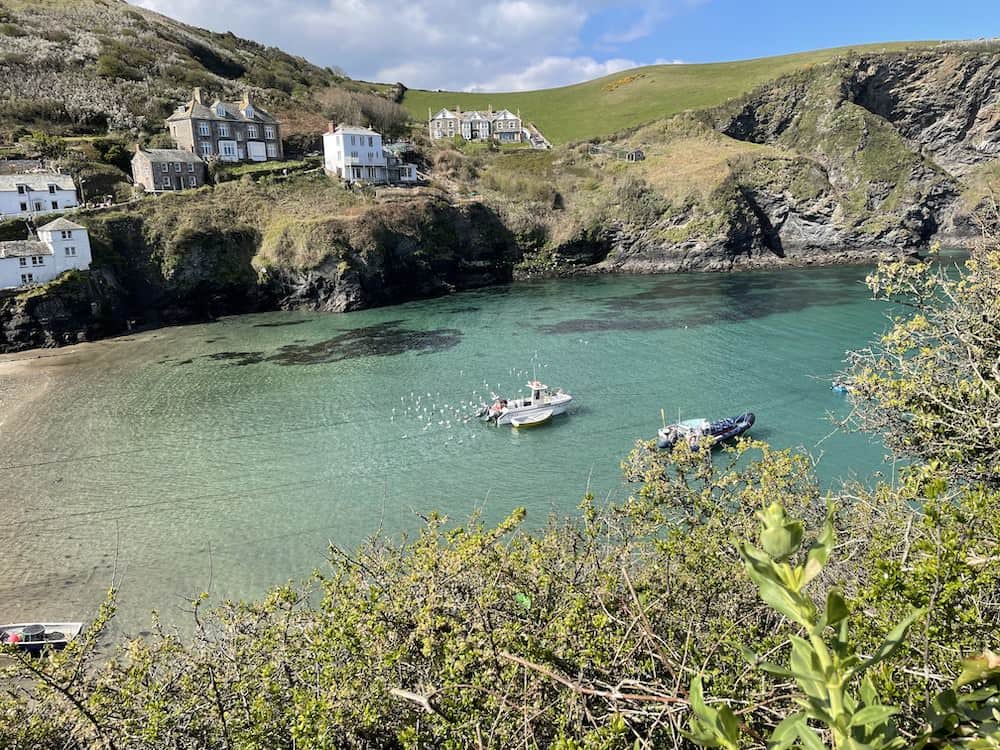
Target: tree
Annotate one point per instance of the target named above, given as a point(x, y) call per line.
point(931, 385)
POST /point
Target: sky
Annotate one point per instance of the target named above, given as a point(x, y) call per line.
point(511, 45)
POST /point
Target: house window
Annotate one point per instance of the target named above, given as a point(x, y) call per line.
point(66, 234)
point(223, 130)
point(190, 166)
point(251, 131)
point(166, 183)
point(272, 150)
point(239, 134)
point(268, 131)
point(37, 205)
point(354, 154)
point(70, 252)
point(22, 189)
point(24, 206)
point(55, 204)
point(206, 149)
point(52, 189)
point(27, 278)
point(164, 167)
point(228, 149)
point(37, 260)
point(370, 142)
point(177, 166)
point(203, 129)
point(192, 181)
point(24, 262)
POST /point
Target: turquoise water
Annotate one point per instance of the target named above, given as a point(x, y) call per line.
point(226, 456)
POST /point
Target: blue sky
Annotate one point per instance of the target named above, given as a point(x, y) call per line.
point(502, 45)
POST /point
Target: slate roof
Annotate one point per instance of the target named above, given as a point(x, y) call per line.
point(60, 224)
point(23, 248)
point(476, 114)
point(158, 155)
point(229, 113)
point(37, 181)
point(355, 130)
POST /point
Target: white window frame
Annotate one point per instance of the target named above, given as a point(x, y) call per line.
point(206, 148)
point(70, 252)
point(190, 166)
point(252, 131)
point(192, 181)
point(223, 130)
point(269, 131)
point(165, 167)
point(23, 262)
point(272, 150)
point(27, 278)
point(204, 129)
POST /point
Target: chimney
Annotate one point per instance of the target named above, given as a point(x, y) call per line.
point(199, 97)
point(331, 126)
point(247, 100)
point(489, 110)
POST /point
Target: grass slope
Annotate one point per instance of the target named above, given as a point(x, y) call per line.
point(634, 97)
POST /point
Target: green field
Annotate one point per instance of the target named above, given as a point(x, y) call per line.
point(633, 97)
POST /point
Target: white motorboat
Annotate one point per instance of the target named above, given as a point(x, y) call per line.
point(531, 420)
point(35, 636)
point(542, 399)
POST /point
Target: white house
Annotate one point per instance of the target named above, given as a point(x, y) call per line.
point(61, 246)
point(30, 193)
point(358, 155)
point(354, 154)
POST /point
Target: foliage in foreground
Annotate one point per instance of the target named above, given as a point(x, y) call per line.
point(587, 632)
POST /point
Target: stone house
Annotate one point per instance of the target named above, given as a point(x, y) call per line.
point(159, 169)
point(60, 246)
point(226, 131)
point(25, 194)
point(503, 126)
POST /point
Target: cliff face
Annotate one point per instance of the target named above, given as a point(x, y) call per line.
point(847, 162)
point(392, 253)
point(387, 254)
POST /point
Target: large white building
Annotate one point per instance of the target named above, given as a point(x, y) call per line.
point(61, 246)
point(31, 193)
point(356, 154)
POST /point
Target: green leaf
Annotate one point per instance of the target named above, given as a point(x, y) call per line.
point(810, 740)
point(785, 734)
point(891, 642)
point(780, 536)
point(523, 600)
point(819, 553)
point(876, 714)
point(836, 608)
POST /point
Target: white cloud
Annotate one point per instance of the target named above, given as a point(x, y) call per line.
point(451, 44)
point(550, 72)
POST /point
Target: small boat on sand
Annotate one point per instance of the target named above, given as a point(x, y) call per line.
point(541, 400)
point(33, 637)
point(694, 431)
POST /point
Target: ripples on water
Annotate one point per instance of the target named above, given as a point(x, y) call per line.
point(230, 454)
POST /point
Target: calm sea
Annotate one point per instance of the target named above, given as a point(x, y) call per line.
point(227, 456)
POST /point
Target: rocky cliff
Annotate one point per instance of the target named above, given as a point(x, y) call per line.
point(867, 156)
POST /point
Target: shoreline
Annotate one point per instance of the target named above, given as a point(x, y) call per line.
point(693, 264)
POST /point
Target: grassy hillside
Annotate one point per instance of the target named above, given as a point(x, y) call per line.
point(88, 66)
point(638, 96)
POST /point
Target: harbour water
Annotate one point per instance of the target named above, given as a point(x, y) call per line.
point(227, 456)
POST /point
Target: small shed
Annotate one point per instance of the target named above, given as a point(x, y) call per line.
point(634, 155)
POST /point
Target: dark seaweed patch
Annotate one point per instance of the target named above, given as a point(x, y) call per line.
point(238, 358)
point(382, 340)
point(281, 324)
